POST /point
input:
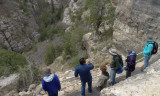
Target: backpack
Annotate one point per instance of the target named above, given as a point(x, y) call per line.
point(155, 47)
point(120, 70)
point(120, 60)
point(121, 65)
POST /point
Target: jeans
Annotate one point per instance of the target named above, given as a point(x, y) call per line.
point(146, 61)
point(112, 76)
point(83, 87)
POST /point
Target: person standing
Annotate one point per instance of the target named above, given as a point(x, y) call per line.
point(84, 71)
point(51, 83)
point(147, 52)
point(115, 65)
point(102, 82)
point(131, 63)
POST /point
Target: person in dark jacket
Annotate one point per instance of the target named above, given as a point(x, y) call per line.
point(147, 52)
point(131, 63)
point(51, 83)
point(115, 65)
point(84, 71)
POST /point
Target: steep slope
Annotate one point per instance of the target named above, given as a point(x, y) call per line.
point(18, 28)
point(143, 84)
point(134, 20)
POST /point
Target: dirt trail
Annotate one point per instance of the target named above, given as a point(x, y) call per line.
point(119, 77)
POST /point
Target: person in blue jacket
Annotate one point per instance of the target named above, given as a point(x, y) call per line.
point(84, 71)
point(51, 83)
point(147, 52)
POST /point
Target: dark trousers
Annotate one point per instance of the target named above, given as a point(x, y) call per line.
point(83, 87)
point(53, 95)
point(128, 73)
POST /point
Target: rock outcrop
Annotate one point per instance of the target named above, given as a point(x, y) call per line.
point(18, 28)
point(134, 20)
point(8, 84)
point(143, 84)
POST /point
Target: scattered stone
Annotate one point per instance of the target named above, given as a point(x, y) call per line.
point(38, 89)
point(69, 89)
point(32, 87)
point(42, 92)
point(104, 49)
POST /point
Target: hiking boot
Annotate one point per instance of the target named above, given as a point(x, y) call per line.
point(142, 69)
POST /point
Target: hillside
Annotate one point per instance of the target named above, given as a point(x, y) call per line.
point(36, 34)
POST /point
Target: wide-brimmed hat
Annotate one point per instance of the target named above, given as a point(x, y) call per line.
point(149, 38)
point(113, 51)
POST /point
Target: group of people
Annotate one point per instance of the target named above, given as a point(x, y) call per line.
point(51, 83)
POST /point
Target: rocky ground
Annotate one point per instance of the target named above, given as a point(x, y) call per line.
point(143, 84)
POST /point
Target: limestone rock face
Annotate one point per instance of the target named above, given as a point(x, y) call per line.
point(144, 84)
point(134, 20)
point(8, 84)
point(18, 29)
point(73, 7)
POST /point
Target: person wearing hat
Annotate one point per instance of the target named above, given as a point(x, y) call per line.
point(102, 82)
point(131, 62)
point(147, 52)
point(51, 83)
point(115, 65)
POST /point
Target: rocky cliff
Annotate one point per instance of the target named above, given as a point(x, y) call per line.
point(143, 84)
point(134, 20)
point(18, 28)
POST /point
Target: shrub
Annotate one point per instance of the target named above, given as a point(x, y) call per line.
point(10, 62)
point(1, 1)
point(52, 6)
point(69, 46)
point(73, 62)
point(43, 34)
point(30, 74)
point(52, 52)
point(56, 31)
point(23, 5)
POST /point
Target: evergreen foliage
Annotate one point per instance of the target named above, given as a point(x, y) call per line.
point(10, 62)
point(52, 52)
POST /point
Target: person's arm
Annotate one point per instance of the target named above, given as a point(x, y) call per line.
point(76, 72)
point(117, 63)
point(43, 85)
point(112, 65)
point(91, 66)
point(58, 82)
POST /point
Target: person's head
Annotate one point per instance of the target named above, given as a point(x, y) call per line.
point(129, 51)
point(113, 52)
point(149, 38)
point(47, 71)
point(103, 68)
point(82, 61)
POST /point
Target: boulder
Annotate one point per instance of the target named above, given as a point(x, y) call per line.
point(144, 84)
point(38, 89)
point(32, 87)
point(8, 84)
point(26, 94)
